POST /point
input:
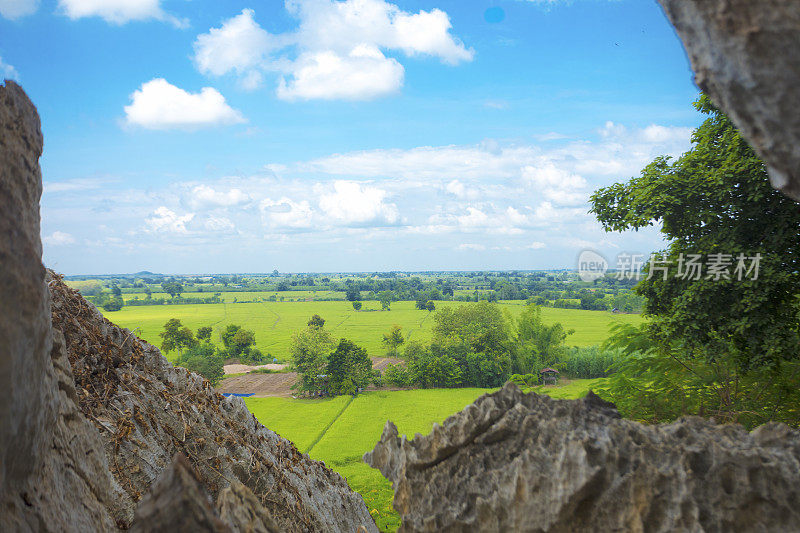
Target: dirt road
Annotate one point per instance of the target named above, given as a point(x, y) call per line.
point(264, 385)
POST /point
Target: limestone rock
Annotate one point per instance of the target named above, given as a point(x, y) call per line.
point(146, 411)
point(240, 509)
point(177, 503)
point(745, 55)
point(524, 462)
point(26, 376)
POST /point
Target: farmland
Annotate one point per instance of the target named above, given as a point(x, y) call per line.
point(340, 430)
point(275, 322)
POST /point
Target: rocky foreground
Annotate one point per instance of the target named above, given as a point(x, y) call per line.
point(523, 462)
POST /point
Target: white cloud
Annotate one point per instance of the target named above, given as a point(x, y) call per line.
point(471, 247)
point(350, 203)
point(117, 11)
point(14, 9)
point(536, 245)
point(240, 45)
point(337, 52)
point(7, 71)
point(458, 189)
point(286, 213)
point(159, 105)
point(204, 197)
point(363, 74)
point(59, 238)
point(218, 224)
point(164, 220)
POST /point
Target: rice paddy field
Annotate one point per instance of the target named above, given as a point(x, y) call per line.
point(340, 430)
point(275, 322)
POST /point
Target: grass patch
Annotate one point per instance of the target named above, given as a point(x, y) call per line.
point(275, 322)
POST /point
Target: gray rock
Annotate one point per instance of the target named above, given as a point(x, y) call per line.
point(146, 411)
point(524, 462)
point(177, 503)
point(26, 377)
point(746, 56)
point(240, 509)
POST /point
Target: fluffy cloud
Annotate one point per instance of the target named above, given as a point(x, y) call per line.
point(351, 203)
point(116, 11)
point(59, 238)
point(159, 105)
point(204, 197)
point(337, 52)
point(286, 213)
point(164, 220)
point(240, 45)
point(14, 9)
point(363, 74)
point(7, 71)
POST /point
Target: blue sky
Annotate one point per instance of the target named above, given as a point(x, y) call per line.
point(195, 136)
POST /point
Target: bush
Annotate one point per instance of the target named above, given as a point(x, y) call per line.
point(588, 362)
point(397, 376)
point(204, 359)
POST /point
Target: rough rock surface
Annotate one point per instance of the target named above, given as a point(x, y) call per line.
point(524, 462)
point(177, 503)
point(745, 56)
point(90, 415)
point(26, 412)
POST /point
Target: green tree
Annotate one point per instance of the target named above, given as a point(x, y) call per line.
point(204, 333)
point(176, 336)
point(386, 298)
point(349, 369)
point(357, 306)
point(393, 339)
point(310, 349)
point(240, 343)
point(115, 290)
point(537, 344)
point(112, 303)
point(352, 293)
point(428, 369)
point(204, 359)
point(482, 326)
point(718, 332)
point(430, 306)
point(316, 321)
point(173, 288)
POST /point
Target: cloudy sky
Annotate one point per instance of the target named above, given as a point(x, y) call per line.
point(200, 136)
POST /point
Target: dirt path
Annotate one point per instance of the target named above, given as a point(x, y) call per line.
point(264, 385)
point(242, 369)
point(260, 385)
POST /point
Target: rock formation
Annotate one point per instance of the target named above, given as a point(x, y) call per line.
point(91, 415)
point(745, 56)
point(524, 462)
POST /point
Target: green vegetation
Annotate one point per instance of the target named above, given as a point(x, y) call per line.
point(723, 342)
point(340, 430)
point(274, 323)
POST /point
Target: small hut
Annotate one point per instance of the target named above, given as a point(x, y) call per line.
point(548, 376)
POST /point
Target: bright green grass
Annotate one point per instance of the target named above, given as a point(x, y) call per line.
point(275, 322)
point(304, 420)
point(349, 433)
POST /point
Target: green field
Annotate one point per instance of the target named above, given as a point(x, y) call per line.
point(340, 430)
point(246, 296)
point(275, 322)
